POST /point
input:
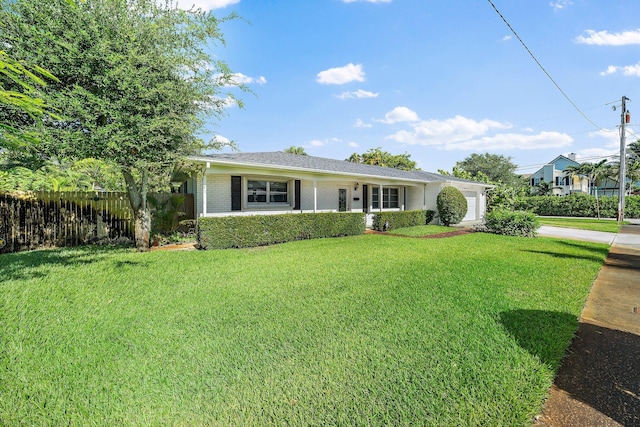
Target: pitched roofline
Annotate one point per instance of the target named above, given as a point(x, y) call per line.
point(371, 171)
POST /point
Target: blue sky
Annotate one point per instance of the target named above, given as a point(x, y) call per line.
point(439, 80)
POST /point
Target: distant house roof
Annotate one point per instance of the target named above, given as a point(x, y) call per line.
point(564, 161)
point(288, 161)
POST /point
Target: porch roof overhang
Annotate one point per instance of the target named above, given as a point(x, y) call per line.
point(311, 167)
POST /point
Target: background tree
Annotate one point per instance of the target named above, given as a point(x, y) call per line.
point(496, 167)
point(592, 171)
point(463, 174)
point(295, 150)
point(375, 156)
point(136, 80)
point(544, 188)
point(17, 82)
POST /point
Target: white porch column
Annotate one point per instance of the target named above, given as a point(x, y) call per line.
point(315, 196)
point(204, 190)
point(380, 198)
point(404, 197)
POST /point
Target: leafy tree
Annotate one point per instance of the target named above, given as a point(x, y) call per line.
point(452, 205)
point(136, 79)
point(504, 196)
point(295, 150)
point(496, 167)
point(375, 156)
point(544, 189)
point(457, 172)
point(17, 82)
point(592, 171)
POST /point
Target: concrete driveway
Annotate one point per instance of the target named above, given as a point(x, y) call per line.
point(576, 234)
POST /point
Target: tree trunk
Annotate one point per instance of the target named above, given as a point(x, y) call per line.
point(141, 211)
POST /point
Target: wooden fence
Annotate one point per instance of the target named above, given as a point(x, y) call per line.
point(37, 220)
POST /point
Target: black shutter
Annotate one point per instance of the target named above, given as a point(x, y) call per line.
point(236, 193)
point(297, 194)
point(365, 199)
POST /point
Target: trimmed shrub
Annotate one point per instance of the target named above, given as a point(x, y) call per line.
point(512, 223)
point(261, 230)
point(429, 215)
point(399, 219)
point(452, 205)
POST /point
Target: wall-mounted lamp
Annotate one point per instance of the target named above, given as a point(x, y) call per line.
point(356, 187)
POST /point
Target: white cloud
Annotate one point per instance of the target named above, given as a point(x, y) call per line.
point(442, 132)
point(627, 70)
point(560, 4)
point(399, 114)
point(360, 124)
point(341, 75)
point(511, 141)
point(353, 145)
point(462, 133)
point(604, 38)
point(506, 38)
point(611, 138)
point(205, 5)
point(357, 94)
point(220, 139)
point(594, 155)
point(240, 78)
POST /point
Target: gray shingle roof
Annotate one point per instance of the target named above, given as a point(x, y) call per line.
point(320, 164)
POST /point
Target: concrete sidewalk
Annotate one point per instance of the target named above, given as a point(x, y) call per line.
point(598, 383)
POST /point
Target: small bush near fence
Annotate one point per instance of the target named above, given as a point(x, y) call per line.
point(512, 223)
point(385, 221)
point(261, 230)
point(579, 205)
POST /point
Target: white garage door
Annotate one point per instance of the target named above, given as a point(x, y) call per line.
point(471, 206)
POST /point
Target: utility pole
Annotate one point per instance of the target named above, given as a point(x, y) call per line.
point(624, 119)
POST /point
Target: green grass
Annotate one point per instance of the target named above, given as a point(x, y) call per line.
point(366, 330)
point(422, 230)
point(607, 225)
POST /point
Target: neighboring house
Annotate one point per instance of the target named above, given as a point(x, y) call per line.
point(555, 174)
point(277, 182)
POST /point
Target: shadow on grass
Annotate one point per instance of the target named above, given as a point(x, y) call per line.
point(601, 370)
point(544, 334)
point(34, 264)
point(597, 253)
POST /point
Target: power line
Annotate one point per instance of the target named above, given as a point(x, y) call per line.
point(543, 69)
point(578, 159)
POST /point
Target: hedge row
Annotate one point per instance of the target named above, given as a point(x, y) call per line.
point(579, 205)
point(261, 230)
point(384, 221)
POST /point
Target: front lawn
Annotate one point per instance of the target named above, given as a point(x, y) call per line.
point(366, 330)
point(607, 225)
point(422, 230)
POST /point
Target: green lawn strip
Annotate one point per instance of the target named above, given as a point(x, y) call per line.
point(422, 230)
point(363, 330)
point(606, 225)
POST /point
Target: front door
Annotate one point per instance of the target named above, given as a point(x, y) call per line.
point(342, 200)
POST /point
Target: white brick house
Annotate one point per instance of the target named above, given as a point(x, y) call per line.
point(277, 182)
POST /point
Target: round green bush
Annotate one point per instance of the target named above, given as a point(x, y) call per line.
point(512, 223)
point(452, 205)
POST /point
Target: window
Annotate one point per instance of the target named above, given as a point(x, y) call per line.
point(390, 198)
point(267, 192)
